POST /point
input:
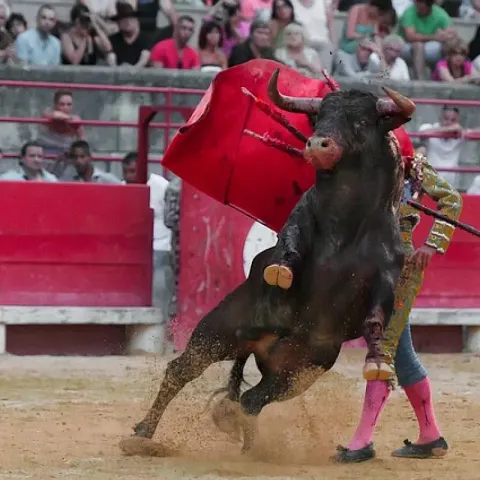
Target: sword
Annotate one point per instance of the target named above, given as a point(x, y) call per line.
point(441, 216)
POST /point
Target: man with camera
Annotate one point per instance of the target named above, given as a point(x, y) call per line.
point(85, 41)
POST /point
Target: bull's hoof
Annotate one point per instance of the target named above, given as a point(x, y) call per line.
point(345, 455)
point(143, 447)
point(225, 415)
point(142, 429)
point(278, 275)
point(374, 371)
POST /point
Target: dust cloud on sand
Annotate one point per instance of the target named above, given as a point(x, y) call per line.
point(64, 418)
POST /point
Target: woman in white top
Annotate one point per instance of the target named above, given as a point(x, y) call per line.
point(389, 64)
point(317, 18)
point(296, 54)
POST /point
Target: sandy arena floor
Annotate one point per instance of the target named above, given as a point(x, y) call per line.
point(63, 418)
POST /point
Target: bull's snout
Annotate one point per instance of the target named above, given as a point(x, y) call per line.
point(322, 152)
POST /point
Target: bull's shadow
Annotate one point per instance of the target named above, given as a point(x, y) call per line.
point(342, 252)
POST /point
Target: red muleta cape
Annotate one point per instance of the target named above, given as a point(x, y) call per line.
point(212, 154)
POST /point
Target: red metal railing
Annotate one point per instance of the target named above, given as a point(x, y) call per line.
point(168, 109)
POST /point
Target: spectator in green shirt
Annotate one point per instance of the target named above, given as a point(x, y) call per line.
point(425, 27)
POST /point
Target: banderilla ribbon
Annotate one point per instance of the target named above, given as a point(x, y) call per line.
point(441, 216)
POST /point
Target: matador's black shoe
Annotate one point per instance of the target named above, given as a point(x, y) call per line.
point(436, 449)
point(345, 455)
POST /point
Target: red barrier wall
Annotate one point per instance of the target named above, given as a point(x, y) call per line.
point(453, 280)
point(215, 239)
point(72, 244)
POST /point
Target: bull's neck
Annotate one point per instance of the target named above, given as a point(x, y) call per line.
point(350, 195)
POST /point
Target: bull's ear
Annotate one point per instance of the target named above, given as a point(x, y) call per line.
point(392, 122)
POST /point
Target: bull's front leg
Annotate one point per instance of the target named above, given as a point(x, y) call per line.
point(294, 241)
point(378, 364)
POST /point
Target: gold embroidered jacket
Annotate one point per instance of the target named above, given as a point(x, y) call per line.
point(449, 202)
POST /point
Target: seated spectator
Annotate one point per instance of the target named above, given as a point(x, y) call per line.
point(256, 10)
point(282, 15)
point(210, 42)
point(37, 46)
point(162, 236)
point(16, 24)
point(227, 14)
point(7, 48)
point(387, 23)
point(57, 135)
point(363, 21)
point(129, 45)
point(356, 65)
point(388, 62)
point(316, 16)
point(175, 53)
point(31, 166)
point(85, 171)
point(129, 168)
point(7, 9)
point(425, 27)
point(295, 54)
point(258, 45)
point(455, 67)
point(84, 42)
point(444, 152)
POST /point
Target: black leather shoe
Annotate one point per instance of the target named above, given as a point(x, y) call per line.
point(345, 455)
point(436, 449)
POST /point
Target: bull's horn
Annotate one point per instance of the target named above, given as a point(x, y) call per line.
point(291, 104)
point(396, 104)
point(331, 82)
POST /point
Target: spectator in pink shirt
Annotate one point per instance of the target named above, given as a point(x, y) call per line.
point(175, 53)
point(455, 67)
point(256, 10)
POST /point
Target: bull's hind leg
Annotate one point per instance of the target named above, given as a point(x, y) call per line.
point(290, 370)
point(212, 341)
point(180, 371)
point(225, 414)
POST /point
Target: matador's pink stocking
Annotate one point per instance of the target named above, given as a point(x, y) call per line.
point(376, 396)
point(420, 396)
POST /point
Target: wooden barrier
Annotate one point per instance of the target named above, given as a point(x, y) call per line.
point(72, 245)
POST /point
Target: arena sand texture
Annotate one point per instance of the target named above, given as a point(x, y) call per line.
point(64, 417)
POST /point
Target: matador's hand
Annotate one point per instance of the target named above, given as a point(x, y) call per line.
point(422, 256)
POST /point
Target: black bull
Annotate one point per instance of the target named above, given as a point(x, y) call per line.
point(344, 241)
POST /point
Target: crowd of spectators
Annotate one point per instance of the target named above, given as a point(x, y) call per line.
point(400, 39)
